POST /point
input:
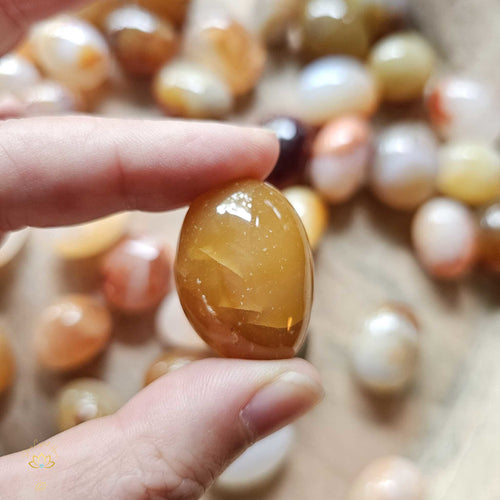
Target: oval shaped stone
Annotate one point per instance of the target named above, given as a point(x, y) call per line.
point(244, 271)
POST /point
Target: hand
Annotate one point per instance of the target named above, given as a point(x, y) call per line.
point(176, 436)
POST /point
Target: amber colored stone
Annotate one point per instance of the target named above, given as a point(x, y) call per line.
point(312, 210)
point(173, 10)
point(137, 275)
point(85, 399)
point(90, 239)
point(244, 271)
point(489, 236)
point(469, 171)
point(7, 362)
point(333, 27)
point(230, 50)
point(293, 136)
point(72, 332)
point(170, 361)
point(141, 41)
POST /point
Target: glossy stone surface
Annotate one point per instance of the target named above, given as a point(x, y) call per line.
point(334, 86)
point(312, 210)
point(174, 329)
point(71, 51)
point(463, 108)
point(141, 41)
point(402, 63)
point(333, 27)
point(340, 155)
point(244, 271)
point(385, 352)
point(88, 240)
point(7, 362)
point(445, 237)
point(274, 18)
point(11, 244)
point(84, 399)
point(186, 89)
point(72, 332)
point(227, 48)
point(16, 73)
point(489, 236)
point(405, 164)
point(382, 16)
point(49, 98)
point(170, 361)
point(294, 148)
point(469, 172)
point(137, 275)
point(259, 464)
point(388, 478)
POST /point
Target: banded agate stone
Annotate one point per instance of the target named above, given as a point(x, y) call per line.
point(244, 271)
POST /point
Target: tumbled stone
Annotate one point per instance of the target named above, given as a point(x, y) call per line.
point(141, 41)
point(72, 332)
point(244, 271)
point(84, 399)
point(137, 275)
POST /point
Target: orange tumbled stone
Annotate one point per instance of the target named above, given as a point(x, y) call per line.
point(244, 271)
point(142, 42)
point(173, 10)
point(72, 332)
point(137, 275)
point(170, 361)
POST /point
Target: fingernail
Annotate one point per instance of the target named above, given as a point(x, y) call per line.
point(286, 398)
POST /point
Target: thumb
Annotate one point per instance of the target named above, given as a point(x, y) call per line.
point(174, 437)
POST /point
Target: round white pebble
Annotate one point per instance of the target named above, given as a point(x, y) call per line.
point(336, 85)
point(259, 463)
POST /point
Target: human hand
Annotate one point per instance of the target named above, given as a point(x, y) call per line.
point(177, 435)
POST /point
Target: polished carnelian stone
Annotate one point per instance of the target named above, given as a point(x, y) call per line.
point(244, 271)
point(136, 275)
point(72, 332)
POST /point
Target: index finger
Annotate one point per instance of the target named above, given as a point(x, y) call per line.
point(65, 170)
point(17, 15)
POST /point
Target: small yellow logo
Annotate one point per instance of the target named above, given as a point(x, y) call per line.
point(41, 462)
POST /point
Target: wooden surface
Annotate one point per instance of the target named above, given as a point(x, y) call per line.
point(448, 422)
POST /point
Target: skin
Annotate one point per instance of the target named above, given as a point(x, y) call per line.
point(178, 434)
